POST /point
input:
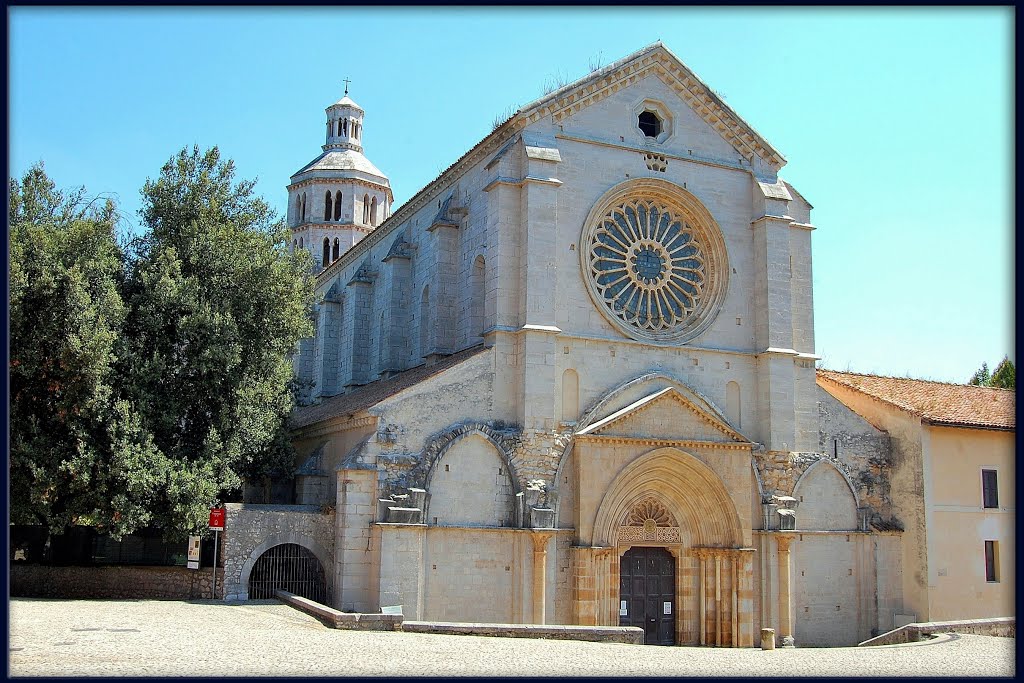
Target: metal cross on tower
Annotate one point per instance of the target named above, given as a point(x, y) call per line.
point(347, 81)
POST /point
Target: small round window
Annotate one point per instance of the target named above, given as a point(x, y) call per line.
point(650, 124)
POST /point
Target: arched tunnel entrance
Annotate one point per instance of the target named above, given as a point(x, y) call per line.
point(292, 568)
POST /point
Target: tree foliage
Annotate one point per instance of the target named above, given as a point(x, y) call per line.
point(1003, 377)
point(77, 452)
point(147, 382)
point(217, 303)
point(982, 376)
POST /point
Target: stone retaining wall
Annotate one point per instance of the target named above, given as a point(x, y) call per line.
point(1005, 627)
point(119, 582)
point(602, 634)
point(351, 621)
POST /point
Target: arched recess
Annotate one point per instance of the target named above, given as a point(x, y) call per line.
point(335, 252)
point(471, 482)
point(366, 209)
point(373, 211)
point(337, 205)
point(328, 210)
point(424, 321)
point(280, 539)
point(477, 284)
point(827, 499)
point(327, 251)
point(732, 404)
point(570, 395)
point(685, 485)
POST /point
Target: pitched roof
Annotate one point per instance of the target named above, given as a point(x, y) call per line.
point(371, 394)
point(959, 405)
point(591, 88)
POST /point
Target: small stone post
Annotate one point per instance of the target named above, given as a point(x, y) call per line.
point(785, 622)
point(540, 561)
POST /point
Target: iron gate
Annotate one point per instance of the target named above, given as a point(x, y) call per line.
point(292, 568)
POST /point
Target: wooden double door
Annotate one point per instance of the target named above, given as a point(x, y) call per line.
point(647, 593)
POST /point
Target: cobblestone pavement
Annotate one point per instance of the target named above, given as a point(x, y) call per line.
point(267, 638)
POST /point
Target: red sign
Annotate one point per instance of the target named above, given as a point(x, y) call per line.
point(217, 519)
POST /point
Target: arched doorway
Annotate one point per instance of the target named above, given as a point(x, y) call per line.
point(292, 568)
point(647, 593)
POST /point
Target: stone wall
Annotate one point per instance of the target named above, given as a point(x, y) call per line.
point(1004, 627)
point(250, 530)
point(121, 582)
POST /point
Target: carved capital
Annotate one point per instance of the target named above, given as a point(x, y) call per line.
point(540, 540)
point(784, 541)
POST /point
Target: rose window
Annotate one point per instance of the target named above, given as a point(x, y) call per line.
point(651, 263)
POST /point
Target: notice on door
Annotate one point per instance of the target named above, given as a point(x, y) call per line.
point(622, 608)
point(667, 607)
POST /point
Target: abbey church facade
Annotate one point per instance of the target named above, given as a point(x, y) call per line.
point(572, 381)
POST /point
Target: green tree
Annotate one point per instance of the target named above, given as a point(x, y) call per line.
point(216, 305)
point(1005, 375)
point(78, 455)
point(981, 377)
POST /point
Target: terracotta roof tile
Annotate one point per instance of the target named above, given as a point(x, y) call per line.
point(936, 402)
point(371, 394)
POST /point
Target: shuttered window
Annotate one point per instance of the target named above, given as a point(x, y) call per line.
point(989, 489)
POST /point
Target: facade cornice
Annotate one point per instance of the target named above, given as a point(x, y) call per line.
point(327, 180)
point(650, 441)
point(365, 229)
point(701, 160)
point(773, 218)
point(336, 425)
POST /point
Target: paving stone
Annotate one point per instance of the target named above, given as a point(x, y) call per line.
point(268, 638)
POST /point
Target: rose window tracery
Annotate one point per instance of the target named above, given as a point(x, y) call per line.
point(654, 262)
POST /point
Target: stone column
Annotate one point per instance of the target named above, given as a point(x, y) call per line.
point(718, 600)
point(733, 560)
point(540, 563)
point(702, 607)
point(785, 608)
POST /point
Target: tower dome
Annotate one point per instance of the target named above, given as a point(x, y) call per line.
point(339, 197)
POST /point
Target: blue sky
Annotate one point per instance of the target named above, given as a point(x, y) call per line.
point(897, 125)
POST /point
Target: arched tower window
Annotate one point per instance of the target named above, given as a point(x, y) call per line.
point(337, 205)
point(303, 218)
point(344, 126)
point(337, 246)
point(424, 320)
point(295, 245)
point(298, 209)
point(300, 244)
point(339, 126)
point(327, 252)
point(327, 206)
point(373, 211)
point(366, 209)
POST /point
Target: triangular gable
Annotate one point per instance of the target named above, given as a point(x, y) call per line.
point(658, 60)
point(665, 414)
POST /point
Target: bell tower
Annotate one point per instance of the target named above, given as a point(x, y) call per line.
point(339, 197)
